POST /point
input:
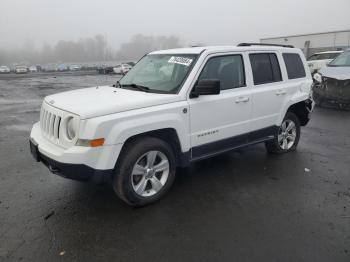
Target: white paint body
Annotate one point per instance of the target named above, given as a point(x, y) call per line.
point(117, 114)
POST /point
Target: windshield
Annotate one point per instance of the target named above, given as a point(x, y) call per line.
point(159, 73)
point(323, 56)
point(342, 60)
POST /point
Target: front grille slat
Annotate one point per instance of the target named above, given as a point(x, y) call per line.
point(41, 118)
point(44, 121)
point(50, 124)
point(47, 127)
point(56, 126)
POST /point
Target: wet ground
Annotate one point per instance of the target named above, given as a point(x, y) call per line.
point(241, 206)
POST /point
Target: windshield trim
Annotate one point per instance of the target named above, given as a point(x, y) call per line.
point(196, 56)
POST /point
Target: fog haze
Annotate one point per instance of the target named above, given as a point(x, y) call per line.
point(35, 22)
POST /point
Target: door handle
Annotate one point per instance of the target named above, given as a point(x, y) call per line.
point(281, 92)
point(242, 99)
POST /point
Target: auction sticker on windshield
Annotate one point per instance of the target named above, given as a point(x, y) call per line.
point(180, 60)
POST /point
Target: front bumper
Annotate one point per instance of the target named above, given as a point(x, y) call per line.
point(78, 163)
point(78, 172)
point(332, 93)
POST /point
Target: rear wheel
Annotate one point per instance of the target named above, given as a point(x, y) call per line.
point(145, 171)
point(287, 136)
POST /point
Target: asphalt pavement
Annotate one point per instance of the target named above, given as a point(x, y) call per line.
point(242, 206)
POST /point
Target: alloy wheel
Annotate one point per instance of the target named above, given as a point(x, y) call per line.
point(150, 173)
point(287, 134)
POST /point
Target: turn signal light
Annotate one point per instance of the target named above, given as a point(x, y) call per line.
point(97, 142)
point(91, 143)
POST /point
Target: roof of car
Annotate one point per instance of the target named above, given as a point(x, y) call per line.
point(198, 50)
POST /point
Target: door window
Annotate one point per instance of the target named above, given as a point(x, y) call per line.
point(265, 68)
point(228, 69)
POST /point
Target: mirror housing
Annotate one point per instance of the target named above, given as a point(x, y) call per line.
point(206, 87)
point(116, 84)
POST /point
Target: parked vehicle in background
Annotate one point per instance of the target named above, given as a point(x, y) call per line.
point(21, 70)
point(33, 69)
point(104, 69)
point(122, 69)
point(332, 83)
point(39, 68)
point(5, 70)
point(50, 68)
point(74, 67)
point(320, 60)
point(62, 68)
point(206, 101)
point(87, 67)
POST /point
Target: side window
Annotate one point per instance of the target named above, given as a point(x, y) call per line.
point(294, 65)
point(228, 69)
point(265, 68)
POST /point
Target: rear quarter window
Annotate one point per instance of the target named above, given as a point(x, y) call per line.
point(294, 65)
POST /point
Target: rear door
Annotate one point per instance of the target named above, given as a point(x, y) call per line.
point(268, 90)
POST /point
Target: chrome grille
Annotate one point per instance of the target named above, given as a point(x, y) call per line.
point(50, 124)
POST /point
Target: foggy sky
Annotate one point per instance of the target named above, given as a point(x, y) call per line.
point(35, 22)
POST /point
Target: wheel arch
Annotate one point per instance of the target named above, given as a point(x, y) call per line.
point(301, 108)
point(168, 135)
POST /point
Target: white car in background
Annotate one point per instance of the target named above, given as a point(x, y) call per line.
point(320, 60)
point(122, 69)
point(74, 67)
point(33, 69)
point(4, 70)
point(21, 70)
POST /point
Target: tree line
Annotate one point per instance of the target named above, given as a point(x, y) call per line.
point(91, 49)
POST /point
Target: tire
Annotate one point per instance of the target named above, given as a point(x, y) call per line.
point(137, 181)
point(285, 141)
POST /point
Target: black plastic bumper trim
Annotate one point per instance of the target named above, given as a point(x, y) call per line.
point(78, 172)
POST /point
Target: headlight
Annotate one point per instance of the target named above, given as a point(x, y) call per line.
point(71, 128)
point(318, 77)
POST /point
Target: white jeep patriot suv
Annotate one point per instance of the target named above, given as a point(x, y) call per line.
point(175, 107)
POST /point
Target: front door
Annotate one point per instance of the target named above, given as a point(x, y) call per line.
point(219, 122)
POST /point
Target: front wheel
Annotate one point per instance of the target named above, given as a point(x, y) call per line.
point(287, 136)
point(145, 171)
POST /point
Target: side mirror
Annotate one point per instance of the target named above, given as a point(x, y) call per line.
point(206, 87)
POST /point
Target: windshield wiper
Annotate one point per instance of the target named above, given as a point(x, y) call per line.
point(139, 87)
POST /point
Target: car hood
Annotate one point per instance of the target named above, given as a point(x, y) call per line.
point(104, 100)
point(339, 73)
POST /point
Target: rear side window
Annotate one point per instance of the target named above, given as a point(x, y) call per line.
point(294, 65)
point(265, 68)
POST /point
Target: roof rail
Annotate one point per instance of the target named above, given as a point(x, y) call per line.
point(260, 44)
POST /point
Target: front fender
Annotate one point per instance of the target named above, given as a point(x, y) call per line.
point(117, 128)
point(129, 128)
